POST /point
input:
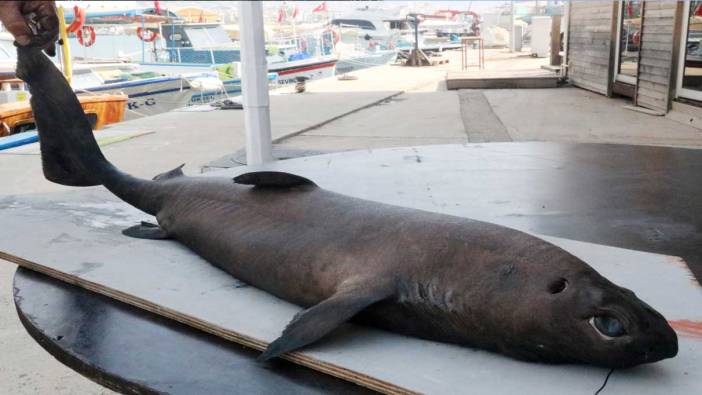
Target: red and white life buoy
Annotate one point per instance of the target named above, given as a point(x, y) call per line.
point(78, 20)
point(636, 37)
point(86, 36)
point(146, 35)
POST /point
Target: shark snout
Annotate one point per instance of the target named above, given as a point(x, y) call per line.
point(663, 344)
point(669, 347)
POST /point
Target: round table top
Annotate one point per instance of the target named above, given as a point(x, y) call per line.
point(132, 351)
point(635, 197)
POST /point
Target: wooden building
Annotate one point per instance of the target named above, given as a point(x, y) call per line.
point(650, 51)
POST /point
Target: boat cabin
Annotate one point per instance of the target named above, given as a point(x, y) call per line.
point(200, 43)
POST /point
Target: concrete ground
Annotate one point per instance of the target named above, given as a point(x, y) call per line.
point(385, 107)
point(479, 116)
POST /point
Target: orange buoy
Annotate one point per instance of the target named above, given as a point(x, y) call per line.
point(146, 34)
point(86, 36)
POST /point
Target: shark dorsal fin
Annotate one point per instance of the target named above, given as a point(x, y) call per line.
point(272, 179)
point(177, 172)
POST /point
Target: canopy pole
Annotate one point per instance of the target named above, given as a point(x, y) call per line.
point(254, 84)
point(65, 46)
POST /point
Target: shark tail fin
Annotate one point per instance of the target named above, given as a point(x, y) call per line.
point(69, 153)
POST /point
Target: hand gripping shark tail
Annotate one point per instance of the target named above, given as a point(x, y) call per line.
point(70, 154)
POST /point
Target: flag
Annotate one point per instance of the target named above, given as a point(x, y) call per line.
point(629, 8)
point(295, 12)
point(157, 7)
point(698, 10)
point(281, 14)
point(321, 8)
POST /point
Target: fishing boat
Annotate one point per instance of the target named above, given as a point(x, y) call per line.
point(171, 46)
point(192, 47)
point(309, 56)
point(148, 92)
point(362, 41)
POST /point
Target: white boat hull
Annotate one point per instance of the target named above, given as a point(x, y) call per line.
point(348, 63)
point(288, 72)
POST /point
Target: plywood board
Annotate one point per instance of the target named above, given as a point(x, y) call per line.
point(75, 237)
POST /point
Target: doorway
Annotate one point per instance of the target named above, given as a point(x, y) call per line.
point(689, 84)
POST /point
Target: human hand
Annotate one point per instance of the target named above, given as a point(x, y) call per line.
point(32, 23)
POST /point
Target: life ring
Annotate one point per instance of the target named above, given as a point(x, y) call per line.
point(86, 36)
point(78, 20)
point(150, 36)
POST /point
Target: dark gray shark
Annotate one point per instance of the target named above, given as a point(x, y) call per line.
point(418, 273)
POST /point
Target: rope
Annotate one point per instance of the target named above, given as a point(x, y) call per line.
point(605, 382)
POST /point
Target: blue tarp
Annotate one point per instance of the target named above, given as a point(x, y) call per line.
point(298, 56)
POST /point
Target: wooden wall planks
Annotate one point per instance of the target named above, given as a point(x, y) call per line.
point(590, 45)
point(657, 55)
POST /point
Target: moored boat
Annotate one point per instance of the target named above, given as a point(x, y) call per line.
point(197, 47)
point(148, 92)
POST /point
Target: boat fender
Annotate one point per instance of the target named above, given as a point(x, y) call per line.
point(86, 36)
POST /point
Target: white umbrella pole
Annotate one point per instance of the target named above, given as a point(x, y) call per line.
point(254, 83)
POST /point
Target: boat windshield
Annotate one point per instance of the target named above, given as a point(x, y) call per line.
point(359, 23)
point(207, 37)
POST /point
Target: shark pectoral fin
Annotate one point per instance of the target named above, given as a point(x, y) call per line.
point(177, 172)
point(319, 320)
point(146, 230)
point(272, 179)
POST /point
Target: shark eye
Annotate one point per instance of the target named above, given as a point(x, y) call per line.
point(609, 327)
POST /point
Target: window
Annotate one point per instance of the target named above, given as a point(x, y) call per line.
point(692, 38)
point(629, 40)
point(208, 37)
